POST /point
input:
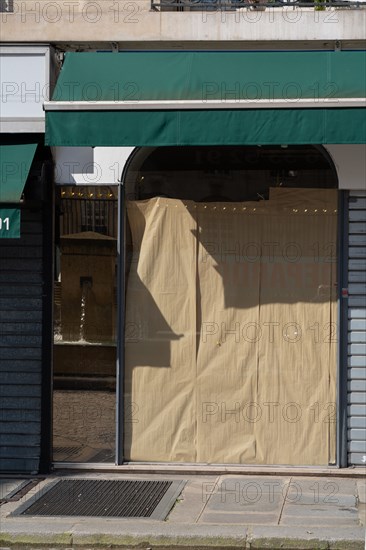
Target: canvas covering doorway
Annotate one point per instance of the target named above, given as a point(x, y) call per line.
point(230, 335)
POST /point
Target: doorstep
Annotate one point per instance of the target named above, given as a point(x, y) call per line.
point(213, 469)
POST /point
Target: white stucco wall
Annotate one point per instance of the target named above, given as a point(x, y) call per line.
point(90, 165)
point(24, 86)
point(350, 162)
point(123, 21)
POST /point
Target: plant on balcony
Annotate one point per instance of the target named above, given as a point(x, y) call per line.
point(319, 5)
point(258, 4)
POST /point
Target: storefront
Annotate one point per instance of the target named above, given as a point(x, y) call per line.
point(229, 319)
point(204, 240)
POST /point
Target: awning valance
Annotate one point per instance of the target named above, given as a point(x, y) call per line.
point(15, 162)
point(208, 98)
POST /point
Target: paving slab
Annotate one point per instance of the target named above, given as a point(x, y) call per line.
point(254, 484)
point(321, 515)
point(245, 503)
point(325, 486)
point(239, 518)
point(249, 494)
point(307, 499)
point(261, 506)
point(319, 511)
point(192, 501)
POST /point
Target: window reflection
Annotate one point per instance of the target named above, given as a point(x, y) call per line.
point(85, 324)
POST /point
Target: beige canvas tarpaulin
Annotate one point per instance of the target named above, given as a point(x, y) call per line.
point(161, 333)
point(228, 293)
point(230, 330)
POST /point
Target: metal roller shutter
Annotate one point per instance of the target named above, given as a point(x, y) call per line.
point(21, 314)
point(357, 329)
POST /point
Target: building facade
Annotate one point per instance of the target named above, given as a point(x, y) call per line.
point(183, 234)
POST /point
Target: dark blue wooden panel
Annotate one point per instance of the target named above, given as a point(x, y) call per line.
point(26, 465)
point(21, 306)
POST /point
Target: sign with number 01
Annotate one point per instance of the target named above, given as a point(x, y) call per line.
point(9, 223)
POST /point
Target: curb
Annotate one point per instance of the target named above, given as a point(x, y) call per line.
point(165, 542)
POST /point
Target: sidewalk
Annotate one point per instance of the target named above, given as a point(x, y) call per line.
point(213, 511)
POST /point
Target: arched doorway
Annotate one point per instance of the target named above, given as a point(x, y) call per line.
point(230, 340)
point(228, 172)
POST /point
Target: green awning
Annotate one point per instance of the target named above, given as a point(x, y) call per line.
point(15, 162)
point(208, 98)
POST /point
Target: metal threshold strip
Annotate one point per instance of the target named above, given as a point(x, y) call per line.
point(201, 104)
point(212, 469)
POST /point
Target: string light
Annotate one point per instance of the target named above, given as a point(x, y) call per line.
point(77, 193)
point(90, 195)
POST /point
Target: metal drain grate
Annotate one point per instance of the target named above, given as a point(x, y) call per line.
point(105, 498)
point(14, 489)
point(9, 487)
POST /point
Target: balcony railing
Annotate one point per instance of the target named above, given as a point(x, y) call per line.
point(230, 5)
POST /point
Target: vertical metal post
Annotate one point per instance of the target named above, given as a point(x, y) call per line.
point(342, 330)
point(48, 240)
point(120, 326)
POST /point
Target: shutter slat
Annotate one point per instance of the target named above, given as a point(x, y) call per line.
point(357, 329)
point(21, 303)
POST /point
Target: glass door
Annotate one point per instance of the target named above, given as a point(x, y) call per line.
point(85, 313)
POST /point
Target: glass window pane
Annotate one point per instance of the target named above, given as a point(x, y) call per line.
point(85, 324)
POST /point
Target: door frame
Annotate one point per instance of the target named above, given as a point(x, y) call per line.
point(342, 319)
